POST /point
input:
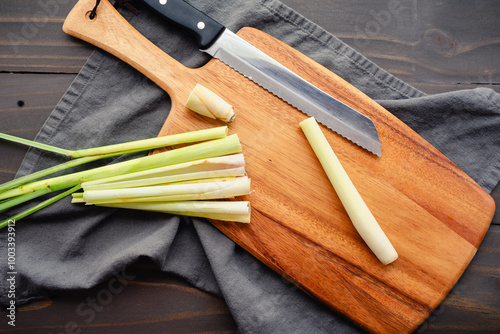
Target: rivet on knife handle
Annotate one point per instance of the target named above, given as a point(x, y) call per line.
point(205, 29)
point(271, 75)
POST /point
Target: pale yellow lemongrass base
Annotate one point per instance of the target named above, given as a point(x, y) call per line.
point(229, 165)
point(237, 187)
point(233, 211)
point(203, 101)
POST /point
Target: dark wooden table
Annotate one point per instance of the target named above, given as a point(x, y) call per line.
point(437, 46)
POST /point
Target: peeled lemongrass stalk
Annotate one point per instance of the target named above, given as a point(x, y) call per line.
point(216, 164)
point(361, 217)
point(240, 186)
point(240, 171)
point(77, 200)
point(210, 179)
point(229, 207)
point(205, 102)
point(156, 199)
point(217, 147)
point(218, 216)
point(77, 195)
point(236, 211)
point(230, 189)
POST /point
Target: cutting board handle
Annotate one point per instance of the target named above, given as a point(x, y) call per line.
point(110, 31)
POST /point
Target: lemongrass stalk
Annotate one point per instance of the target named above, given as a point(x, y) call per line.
point(216, 216)
point(38, 207)
point(23, 198)
point(208, 179)
point(240, 185)
point(361, 217)
point(53, 184)
point(89, 155)
point(129, 147)
point(78, 200)
point(217, 147)
point(209, 164)
point(229, 207)
point(77, 197)
point(153, 143)
point(32, 143)
point(51, 170)
point(155, 199)
point(237, 187)
point(236, 211)
point(240, 171)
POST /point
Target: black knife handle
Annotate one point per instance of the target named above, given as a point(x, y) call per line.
point(205, 29)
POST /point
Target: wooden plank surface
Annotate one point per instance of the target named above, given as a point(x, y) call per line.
point(436, 46)
point(472, 306)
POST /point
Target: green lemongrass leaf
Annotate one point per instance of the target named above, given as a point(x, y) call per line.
point(236, 211)
point(242, 183)
point(52, 184)
point(202, 165)
point(22, 199)
point(51, 170)
point(32, 143)
point(152, 143)
point(213, 148)
point(38, 207)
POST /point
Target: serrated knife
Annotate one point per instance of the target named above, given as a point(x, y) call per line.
point(214, 39)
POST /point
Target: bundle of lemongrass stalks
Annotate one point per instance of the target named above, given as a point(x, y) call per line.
point(184, 181)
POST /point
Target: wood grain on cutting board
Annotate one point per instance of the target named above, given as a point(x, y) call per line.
point(433, 213)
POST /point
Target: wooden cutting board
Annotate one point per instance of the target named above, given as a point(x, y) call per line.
point(434, 214)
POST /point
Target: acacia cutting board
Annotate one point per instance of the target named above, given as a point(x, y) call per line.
point(434, 214)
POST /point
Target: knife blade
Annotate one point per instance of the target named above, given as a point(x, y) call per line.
point(218, 41)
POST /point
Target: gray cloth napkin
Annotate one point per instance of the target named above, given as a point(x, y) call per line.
point(69, 247)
